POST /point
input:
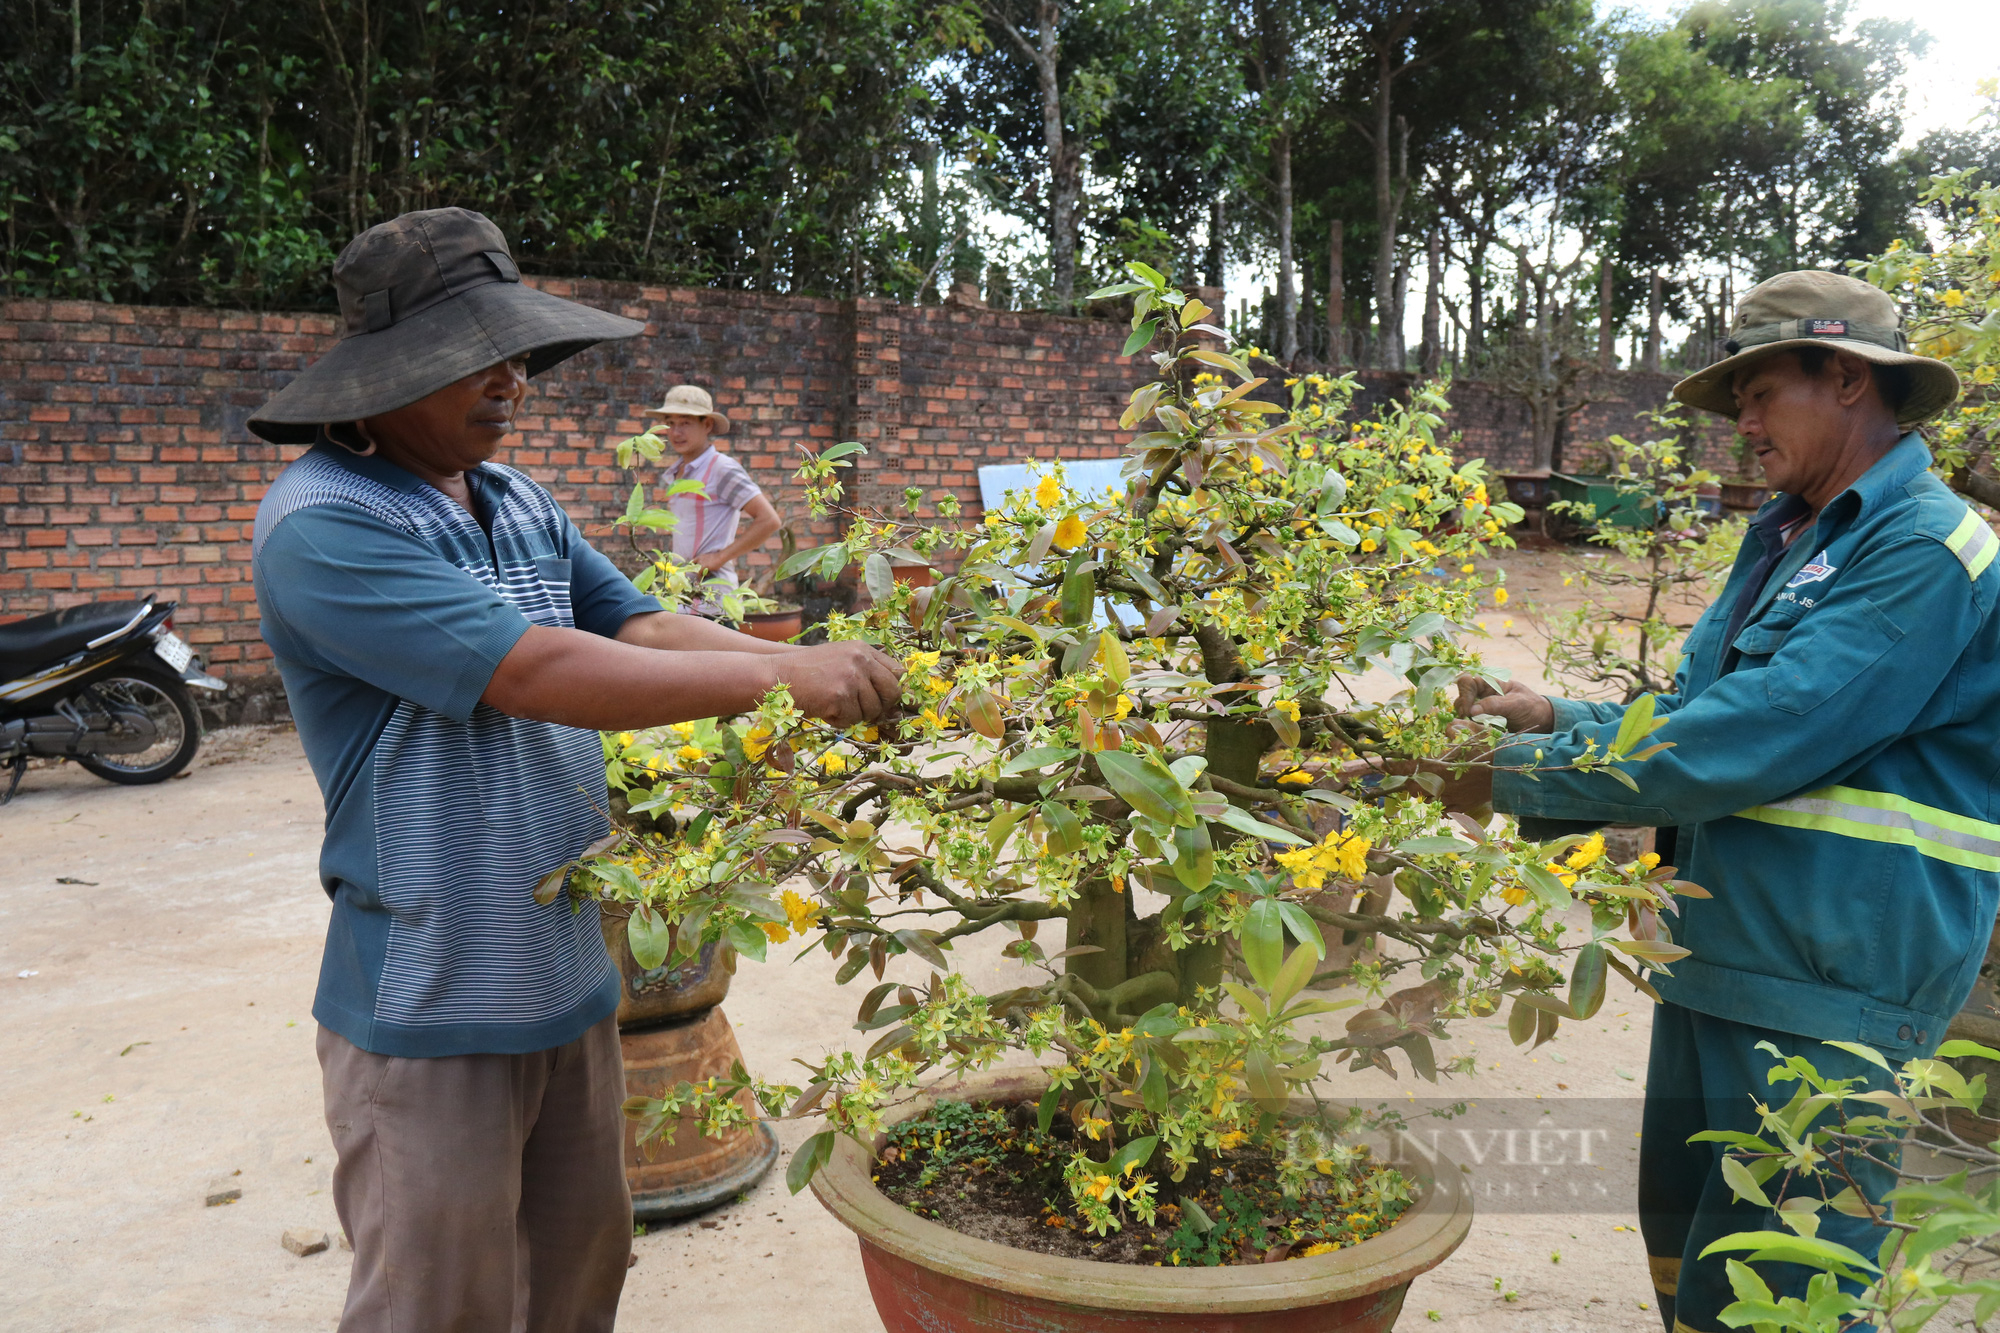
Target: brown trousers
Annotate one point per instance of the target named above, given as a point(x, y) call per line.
point(481, 1193)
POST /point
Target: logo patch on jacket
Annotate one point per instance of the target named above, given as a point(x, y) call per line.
point(1814, 570)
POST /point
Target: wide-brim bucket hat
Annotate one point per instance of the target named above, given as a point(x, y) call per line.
point(1814, 309)
point(427, 299)
point(691, 400)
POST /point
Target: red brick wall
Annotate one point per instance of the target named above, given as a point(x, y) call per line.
point(125, 466)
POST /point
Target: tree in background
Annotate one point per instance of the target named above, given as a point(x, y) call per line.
point(208, 151)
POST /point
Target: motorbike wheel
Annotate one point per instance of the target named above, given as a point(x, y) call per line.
point(165, 701)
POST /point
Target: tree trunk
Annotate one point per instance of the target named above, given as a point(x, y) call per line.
point(1217, 255)
point(1336, 297)
point(1097, 918)
point(1475, 323)
point(1652, 361)
point(1064, 180)
point(1433, 355)
point(1396, 349)
point(1607, 353)
point(1386, 314)
point(1288, 287)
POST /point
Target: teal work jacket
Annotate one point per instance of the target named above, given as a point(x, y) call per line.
point(1832, 775)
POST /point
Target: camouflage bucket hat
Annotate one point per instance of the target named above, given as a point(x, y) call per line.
point(427, 299)
point(1814, 309)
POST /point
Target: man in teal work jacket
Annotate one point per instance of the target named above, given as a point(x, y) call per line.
point(1836, 729)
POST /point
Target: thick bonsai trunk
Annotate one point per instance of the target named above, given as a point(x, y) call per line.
point(1098, 918)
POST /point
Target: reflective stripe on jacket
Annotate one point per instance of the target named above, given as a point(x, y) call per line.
point(1833, 772)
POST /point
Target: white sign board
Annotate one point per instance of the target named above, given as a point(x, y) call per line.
point(1086, 476)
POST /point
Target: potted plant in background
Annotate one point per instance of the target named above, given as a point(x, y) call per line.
point(1139, 721)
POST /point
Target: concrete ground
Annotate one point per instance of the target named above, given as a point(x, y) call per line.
point(158, 952)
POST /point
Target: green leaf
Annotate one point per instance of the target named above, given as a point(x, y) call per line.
point(747, 939)
point(1039, 757)
point(1141, 337)
point(1045, 1110)
point(1194, 857)
point(1778, 1247)
point(1737, 1176)
point(1958, 1048)
point(1196, 1218)
point(1586, 981)
point(1132, 1156)
point(1869, 1053)
point(1520, 1023)
point(879, 577)
point(1264, 942)
point(1267, 1085)
point(1117, 666)
point(1293, 976)
point(917, 943)
point(1548, 890)
point(647, 933)
point(807, 1159)
point(1244, 822)
point(1303, 928)
point(1636, 725)
point(1147, 786)
point(1065, 832)
point(799, 560)
point(1433, 846)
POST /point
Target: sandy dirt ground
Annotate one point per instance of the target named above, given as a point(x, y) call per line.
point(158, 952)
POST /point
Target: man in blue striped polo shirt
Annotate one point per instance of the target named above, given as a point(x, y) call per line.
point(450, 644)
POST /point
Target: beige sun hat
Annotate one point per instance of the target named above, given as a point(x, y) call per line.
point(1814, 309)
point(685, 400)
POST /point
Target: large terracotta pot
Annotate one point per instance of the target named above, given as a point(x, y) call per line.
point(1745, 496)
point(693, 1173)
point(927, 1278)
point(673, 990)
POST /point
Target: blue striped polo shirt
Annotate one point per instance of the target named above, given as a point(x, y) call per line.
point(388, 607)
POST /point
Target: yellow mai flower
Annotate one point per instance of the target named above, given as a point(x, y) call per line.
point(624, 740)
point(936, 684)
point(1514, 895)
point(833, 763)
point(1289, 707)
point(1071, 533)
point(1650, 860)
point(802, 913)
point(684, 730)
point(691, 754)
point(1305, 451)
point(1048, 491)
point(774, 932)
point(1230, 1139)
point(1367, 544)
point(1354, 856)
point(1318, 1247)
point(1499, 597)
point(1479, 494)
point(867, 732)
point(1587, 853)
point(1123, 708)
point(756, 741)
point(993, 520)
point(1953, 298)
point(1468, 567)
point(1099, 1186)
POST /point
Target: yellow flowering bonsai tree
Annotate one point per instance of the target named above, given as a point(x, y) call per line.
point(1146, 732)
point(1951, 299)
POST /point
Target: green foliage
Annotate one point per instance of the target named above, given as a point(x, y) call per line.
point(225, 153)
point(1937, 1230)
point(1623, 636)
point(1154, 692)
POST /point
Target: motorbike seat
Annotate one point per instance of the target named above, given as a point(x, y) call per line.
point(26, 646)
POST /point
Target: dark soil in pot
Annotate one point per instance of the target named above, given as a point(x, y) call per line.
point(985, 1170)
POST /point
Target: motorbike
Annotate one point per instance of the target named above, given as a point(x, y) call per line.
point(108, 684)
